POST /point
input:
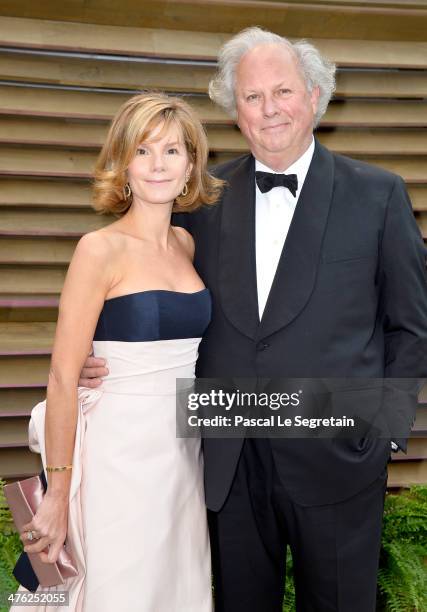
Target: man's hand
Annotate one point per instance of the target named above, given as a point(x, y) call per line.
point(91, 373)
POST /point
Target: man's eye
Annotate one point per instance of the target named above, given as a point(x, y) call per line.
point(283, 91)
point(252, 97)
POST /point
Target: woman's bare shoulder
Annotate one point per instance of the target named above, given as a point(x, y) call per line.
point(185, 238)
point(100, 243)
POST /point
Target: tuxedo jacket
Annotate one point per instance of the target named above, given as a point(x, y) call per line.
point(349, 299)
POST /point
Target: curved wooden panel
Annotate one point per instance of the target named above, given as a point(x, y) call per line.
point(38, 281)
point(57, 194)
point(28, 338)
point(16, 463)
point(193, 78)
point(405, 474)
point(96, 106)
point(46, 162)
point(51, 251)
point(398, 22)
point(64, 223)
point(18, 402)
point(150, 42)
point(24, 371)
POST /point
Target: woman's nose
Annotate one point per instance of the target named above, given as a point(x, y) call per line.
point(158, 163)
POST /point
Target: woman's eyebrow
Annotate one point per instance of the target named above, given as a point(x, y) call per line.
point(147, 143)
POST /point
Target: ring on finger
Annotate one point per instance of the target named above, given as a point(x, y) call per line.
point(31, 535)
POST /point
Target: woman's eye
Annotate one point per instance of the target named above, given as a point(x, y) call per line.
point(172, 151)
point(141, 151)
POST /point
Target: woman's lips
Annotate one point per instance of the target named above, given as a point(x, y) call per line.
point(158, 182)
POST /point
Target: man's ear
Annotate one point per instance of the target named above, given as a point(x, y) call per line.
point(236, 118)
point(314, 97)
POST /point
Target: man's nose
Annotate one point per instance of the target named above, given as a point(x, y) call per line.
point(269, 107)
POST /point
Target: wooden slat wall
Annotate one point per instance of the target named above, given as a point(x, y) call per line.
point(61, 83)
point(353, 19)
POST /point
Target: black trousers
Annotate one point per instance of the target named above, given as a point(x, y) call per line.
point(335, 547)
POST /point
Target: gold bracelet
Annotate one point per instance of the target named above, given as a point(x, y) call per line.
point(60, 468)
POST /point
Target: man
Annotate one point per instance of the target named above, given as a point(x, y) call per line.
point(321, 274)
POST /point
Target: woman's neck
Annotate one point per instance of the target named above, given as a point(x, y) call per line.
point(149, 222)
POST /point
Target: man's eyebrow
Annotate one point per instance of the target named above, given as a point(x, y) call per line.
point(248, 90)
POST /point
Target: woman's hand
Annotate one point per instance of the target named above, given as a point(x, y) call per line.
point(49, 527)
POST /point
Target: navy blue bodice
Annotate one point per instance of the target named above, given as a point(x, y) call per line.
point(157, 314)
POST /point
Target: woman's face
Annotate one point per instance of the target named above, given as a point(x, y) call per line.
point(160, 168)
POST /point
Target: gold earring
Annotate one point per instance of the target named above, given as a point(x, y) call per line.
point(184, 190)
point(127, 191)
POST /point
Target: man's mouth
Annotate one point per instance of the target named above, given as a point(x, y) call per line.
point(274, 127)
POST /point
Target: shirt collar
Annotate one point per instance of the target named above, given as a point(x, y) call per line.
point(299, 167)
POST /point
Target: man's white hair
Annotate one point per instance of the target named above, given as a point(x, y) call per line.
point(316, 70)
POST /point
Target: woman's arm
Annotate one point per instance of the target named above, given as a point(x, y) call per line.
point(89, 277)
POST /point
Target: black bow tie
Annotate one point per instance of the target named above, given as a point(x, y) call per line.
point(268, 180)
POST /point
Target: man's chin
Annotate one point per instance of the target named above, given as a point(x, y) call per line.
point(276, 148)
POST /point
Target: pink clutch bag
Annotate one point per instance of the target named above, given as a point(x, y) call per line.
point(24, 497)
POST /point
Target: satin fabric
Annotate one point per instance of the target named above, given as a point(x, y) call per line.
point(137, 525)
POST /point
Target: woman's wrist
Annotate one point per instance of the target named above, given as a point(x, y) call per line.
point(59, 495)
point(58, 485)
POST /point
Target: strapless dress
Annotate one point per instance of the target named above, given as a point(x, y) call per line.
point(137, 520)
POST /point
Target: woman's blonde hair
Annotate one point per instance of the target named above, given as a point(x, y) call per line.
point(133, 123)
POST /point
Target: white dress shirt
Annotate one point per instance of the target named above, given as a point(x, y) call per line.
point(273, 215)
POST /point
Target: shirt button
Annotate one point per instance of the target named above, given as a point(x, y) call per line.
point(262, 346)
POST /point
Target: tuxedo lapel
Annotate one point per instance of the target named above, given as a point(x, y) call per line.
point(297, 268)
point(237, 266)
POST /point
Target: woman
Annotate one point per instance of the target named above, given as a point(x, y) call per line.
point(132, 505)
